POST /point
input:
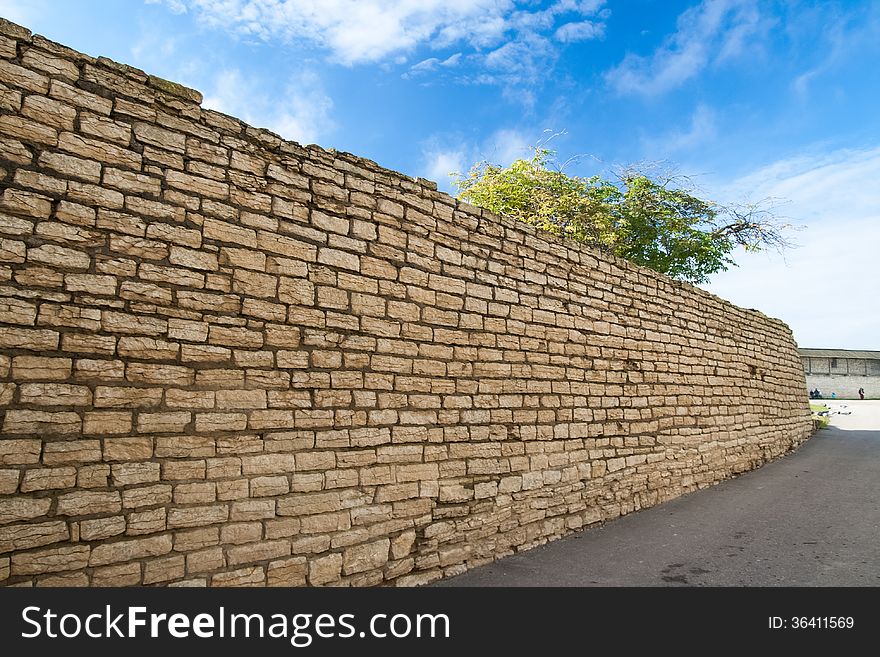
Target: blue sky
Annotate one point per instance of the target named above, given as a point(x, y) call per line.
point(752, 99)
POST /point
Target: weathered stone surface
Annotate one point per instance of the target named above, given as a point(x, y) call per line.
point(18, 509)
point(42, 422)
point(31, 535)
point(50, 560)
point(325, 569)
point(128, 550)
point(88, 502)
point(365, 557)
point(48, 478)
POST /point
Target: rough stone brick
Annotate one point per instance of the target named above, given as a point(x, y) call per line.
point(93, 476)
point(129, 550)
point(128, 574)
point(185, 446)
point(101, 151)
point(79, 97)
point(366, 557)
point(71, 451)
point(261, 551)
point(9, 480)
point(325, 569)
point(152, 134)
point(12, 251)
point(19, 312)
point(99, 369)
point(197, 516)
point(64, 579)
point(48, 111)
point(149, 521)
point(14, 151)
point(164, 570)
point(127, 397)
point(189, 399)
point(48, 478)
point(222, 231)
point(269, 486)
point(50, 560)
point(199, 492)
point(175, 234)
point(51, 64)
point(291, 571)
point(43, 422)
point(205, 560)
point(220, 422)
point(129, 474)
point(193, 259)
point(124, 449)
point(167, 422)
point(96, 529)
point(137, 247)
point(241, 398)
point(54, 394)
point(96, 125)
point(31, 535)
point(42, 368)
point(27, 130)
point(249, 576)
point(88, 344)
point(88, 502)
point(23, 508)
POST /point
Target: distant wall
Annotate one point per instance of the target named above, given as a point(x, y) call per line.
point(843, 376)
point(226, 359)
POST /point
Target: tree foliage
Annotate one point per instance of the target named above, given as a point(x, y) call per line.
point(657, 223)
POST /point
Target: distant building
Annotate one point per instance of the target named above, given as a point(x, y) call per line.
point(842, 371)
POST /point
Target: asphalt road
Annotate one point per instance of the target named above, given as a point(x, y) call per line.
point(811, 518)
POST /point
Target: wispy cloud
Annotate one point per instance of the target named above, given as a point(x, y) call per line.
point(819, 288)
point(843, 35)
point(439, 162)
point(510, 39)
point(446, 154)
point(302, 112)
point(432, 64)
point(580, 31)
point(712, 32)
point(701, 129)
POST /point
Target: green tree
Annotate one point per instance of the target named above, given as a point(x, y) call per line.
point(659, 224)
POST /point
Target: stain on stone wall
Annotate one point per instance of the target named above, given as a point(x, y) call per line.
point(227, 359)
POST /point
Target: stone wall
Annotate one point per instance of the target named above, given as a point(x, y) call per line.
point(227, 359)
point(843, 376)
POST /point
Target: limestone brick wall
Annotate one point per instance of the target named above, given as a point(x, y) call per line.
point(227, 359)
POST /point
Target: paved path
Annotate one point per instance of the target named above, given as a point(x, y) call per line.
point(811, 518)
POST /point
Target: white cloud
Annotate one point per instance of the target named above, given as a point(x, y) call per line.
point(843, 36)
point(701, 130)
point(301, 114)
point(506, 145)
point(489, 32)
point(712, 32)
point(153, 47)
point(439, 164)
point(582, 31)
point(432, 64)
point(442, 155)
point(176, 6)
point(825, 288)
